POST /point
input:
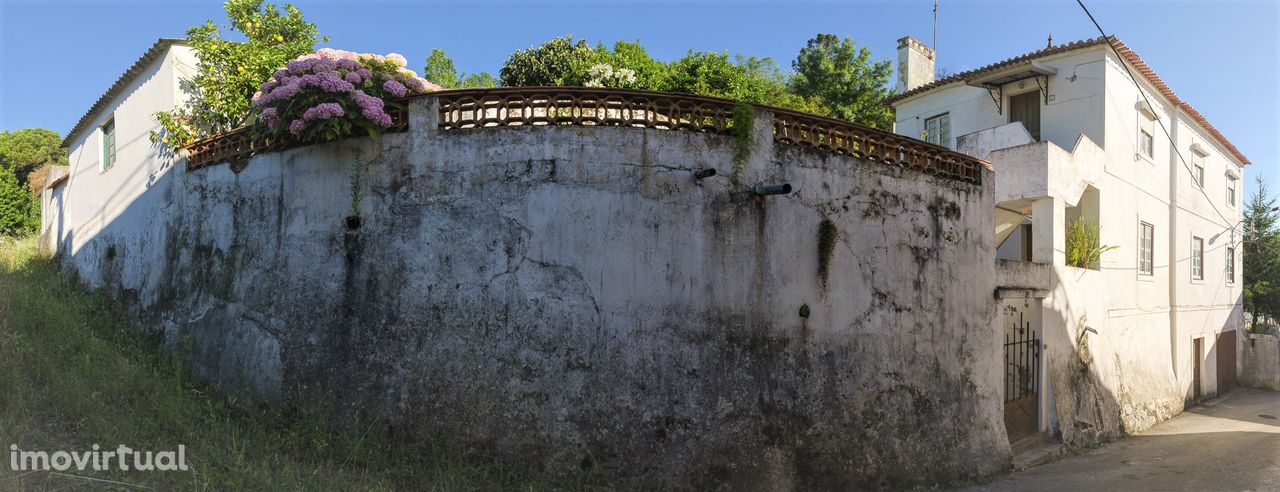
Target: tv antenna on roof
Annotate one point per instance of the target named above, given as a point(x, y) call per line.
point(934, 42)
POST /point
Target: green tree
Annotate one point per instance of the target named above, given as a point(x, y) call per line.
point(481, 80)
point(650, 74)
point(1261, 255)
point(560, 61)
point(22, 151)
point(440, 69)
point(743, 78)
point(229, 72)
point(19, 210)
point(845, 80)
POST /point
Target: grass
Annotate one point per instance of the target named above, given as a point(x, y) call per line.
point(75, 371)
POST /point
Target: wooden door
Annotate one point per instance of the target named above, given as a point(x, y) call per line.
point(1226, 349)
point(1198, 355)
point(1026, 108)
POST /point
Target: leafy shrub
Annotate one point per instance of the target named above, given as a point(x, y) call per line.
point(331, 94)
point(19, 210)
point(1084, 248)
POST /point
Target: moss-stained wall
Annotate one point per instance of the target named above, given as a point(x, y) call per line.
point(573, 298)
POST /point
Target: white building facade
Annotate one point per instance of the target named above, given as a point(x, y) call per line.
point(1071, 138)
point(114, 167)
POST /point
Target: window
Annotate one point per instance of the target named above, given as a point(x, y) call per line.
point(1197, 168)
point(109, 144)
point(937, 130)
point(1231, 191)
point(1146, 132)
point(1146, 239)
point(1231, 265)
point(1197, 258)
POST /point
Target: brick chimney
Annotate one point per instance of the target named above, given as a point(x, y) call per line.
point(915, 64)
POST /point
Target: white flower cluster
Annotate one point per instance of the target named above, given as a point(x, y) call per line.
point(605, 75)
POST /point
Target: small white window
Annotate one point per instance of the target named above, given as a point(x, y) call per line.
point(1146, 240)
point(937, 130)
point(1197, 167)
point(1146, 131)
point(1197, 258)
point(1231, 191)
point(1231, 265)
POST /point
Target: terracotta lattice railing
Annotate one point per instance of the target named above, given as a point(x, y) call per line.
point(241, 144)
point(584, 106)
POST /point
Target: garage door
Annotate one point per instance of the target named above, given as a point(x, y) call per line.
point(1226, 361)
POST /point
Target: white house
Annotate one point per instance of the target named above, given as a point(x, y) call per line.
point(86, 209)
point(1070, 137)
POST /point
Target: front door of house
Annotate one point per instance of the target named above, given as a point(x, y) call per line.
point(1226, 348)
point(1025, 108)
point(1198, 349)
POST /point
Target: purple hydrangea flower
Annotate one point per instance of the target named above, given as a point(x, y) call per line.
point(377, 115)
point(395, 88)
point(296, 127)
point(323, 111)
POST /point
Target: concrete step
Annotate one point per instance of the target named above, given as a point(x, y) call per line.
point(1035, 450)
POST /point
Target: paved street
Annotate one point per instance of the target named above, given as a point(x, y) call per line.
point(1232, 443)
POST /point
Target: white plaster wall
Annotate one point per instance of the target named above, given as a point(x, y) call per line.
point(104, 209)
point(1144, 324)
point(1076, 104)
point(1165, 195)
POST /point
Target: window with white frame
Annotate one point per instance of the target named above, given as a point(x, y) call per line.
point(1197, 169)
point(109, 144)
point(937, 130)
point(1146, 242)
point(1146, 134)
point(1231, 265)
point(1197, 258)
point(1231, 191)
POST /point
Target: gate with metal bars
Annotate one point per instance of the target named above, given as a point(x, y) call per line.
point(1021, 375)
point(1021, 358)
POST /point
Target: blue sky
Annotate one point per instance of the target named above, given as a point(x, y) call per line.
point(57, 57)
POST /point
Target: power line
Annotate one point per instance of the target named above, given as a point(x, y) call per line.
point(1124, 63)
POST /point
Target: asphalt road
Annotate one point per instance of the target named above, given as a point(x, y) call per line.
point(1231, 443)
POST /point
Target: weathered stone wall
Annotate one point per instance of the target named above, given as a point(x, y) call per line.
point(571, 297)
point(1260, 360)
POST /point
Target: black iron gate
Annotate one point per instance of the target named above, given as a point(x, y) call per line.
point(1021, 358)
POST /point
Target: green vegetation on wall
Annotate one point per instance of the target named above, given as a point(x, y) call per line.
point(827, 237)
point(1084, 247)
point(742, 127)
